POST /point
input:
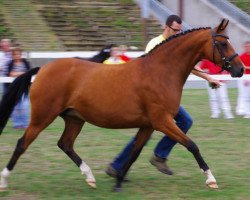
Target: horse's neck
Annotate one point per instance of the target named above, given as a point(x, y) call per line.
point(177, 57)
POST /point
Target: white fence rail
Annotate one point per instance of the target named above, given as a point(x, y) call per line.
point(190, 78)
point(89, 54)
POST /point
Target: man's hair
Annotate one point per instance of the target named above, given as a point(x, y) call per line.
point(173, 18)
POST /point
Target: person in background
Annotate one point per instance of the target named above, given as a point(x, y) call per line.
point(16, 67)
point(115, 56)
point(218, 98)
point(5, 58)
point(243, 101)
point(183, 119)
point(123, 49)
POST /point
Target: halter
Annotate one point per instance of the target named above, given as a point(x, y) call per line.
point(226, 61)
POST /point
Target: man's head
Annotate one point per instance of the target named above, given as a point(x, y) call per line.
point(247, 47)
point(172, 26)
point(5, 45)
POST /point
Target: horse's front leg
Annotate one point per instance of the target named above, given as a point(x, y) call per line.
point(169, 128)
point(142, 137)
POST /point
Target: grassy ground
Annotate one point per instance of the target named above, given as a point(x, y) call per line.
point(44, 171)
point(242, 4)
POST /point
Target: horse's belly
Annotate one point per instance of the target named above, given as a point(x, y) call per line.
point(120, 124)
point(111, 118)
point(110, 107)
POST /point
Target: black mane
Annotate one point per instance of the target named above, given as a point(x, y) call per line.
point(176, 36)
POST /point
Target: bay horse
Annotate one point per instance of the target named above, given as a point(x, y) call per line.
point(144, 93)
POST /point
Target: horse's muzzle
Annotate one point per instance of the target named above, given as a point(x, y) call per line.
point(237, 71)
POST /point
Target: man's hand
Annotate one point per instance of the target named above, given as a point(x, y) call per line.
point(213, 83)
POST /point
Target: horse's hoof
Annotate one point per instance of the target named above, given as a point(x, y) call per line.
point(212, 185)
point(117, 189)
point(92, 184)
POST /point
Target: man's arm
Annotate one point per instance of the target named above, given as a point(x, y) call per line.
point(247, 67)
point(213, 82)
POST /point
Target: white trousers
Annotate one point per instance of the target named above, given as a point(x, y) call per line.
point(219, 101)
point(243, 101)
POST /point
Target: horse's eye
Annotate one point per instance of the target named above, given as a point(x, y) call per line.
point(224, 44)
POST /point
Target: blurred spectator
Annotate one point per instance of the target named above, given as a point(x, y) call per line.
point(243, 102)
point(123, 50)
point(5, 58)
point(117, 56)
point(218, 98)
point(16, 67)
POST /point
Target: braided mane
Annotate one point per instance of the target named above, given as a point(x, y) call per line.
point(176, 36)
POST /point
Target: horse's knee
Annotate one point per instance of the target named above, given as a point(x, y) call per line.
point(192, 147)
point(63, 146)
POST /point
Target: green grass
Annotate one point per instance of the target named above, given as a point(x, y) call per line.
point(3, 30)
point(242, 4)
point(45, 172)
point(125, 2)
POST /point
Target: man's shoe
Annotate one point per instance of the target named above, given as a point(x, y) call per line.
point(161, 165)
point(113, 173)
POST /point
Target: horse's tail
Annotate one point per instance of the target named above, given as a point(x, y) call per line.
point(14, 94)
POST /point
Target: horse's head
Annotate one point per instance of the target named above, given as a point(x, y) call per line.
point(223, 54)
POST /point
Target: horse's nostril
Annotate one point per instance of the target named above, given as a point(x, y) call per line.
point(242, 70)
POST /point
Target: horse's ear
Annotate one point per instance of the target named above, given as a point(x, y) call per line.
point(222, 25)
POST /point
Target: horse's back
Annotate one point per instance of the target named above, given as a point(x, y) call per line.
point(97, 92)
point(55, 76)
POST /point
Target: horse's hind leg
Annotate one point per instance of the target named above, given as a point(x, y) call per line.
point(29, 136)
point(73, 127)
point(142, 136)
